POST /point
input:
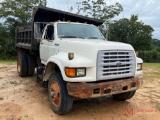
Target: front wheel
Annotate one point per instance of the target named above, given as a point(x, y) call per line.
point(124, 96)
point(60, 101)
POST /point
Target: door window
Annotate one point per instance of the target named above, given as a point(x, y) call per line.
point(49, 35)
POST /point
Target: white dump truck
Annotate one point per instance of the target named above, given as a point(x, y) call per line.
point(69, 52)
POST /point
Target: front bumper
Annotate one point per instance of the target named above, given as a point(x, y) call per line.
point(98, 89)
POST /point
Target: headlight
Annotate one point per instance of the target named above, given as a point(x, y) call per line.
point(139, 66)
point(81, 72)
point(75, 72)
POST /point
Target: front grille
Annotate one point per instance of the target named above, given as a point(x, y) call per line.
point(112, 64)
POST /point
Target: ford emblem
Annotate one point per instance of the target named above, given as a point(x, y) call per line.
point(118, 64)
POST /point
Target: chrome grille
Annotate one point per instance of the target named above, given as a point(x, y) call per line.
point(115, 64)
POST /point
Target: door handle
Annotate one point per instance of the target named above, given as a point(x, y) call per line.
point(56, 44)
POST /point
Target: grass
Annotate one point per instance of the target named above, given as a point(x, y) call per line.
point(158, 96)
point(1, 98)
point(7, 61)
point(156, 65)
point(151, 71)
point(152, 74)
point(152, 102)
point(158, 106)
point(13, 82)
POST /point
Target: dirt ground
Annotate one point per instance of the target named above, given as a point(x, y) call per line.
point(24, 99)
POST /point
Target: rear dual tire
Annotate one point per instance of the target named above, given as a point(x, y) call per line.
point(22, 65)
point(25, 65)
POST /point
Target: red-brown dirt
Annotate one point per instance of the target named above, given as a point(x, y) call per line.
point(24, 99)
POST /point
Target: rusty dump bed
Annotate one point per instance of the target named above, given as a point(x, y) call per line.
point(91, 90)
point(25, 35)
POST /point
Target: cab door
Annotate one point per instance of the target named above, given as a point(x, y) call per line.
point(48, 45)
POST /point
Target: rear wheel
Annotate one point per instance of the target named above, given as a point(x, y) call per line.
point(124, 96)
point(31, 65)
point(60, 101)
point(22, 65)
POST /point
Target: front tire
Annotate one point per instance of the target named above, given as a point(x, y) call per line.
point(124, 96)
point(59, 100)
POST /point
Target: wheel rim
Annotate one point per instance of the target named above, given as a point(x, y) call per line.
point(54, 93)
point(19, 65)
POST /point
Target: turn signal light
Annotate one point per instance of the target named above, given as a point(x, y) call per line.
point(75, 72)
point(70, 72)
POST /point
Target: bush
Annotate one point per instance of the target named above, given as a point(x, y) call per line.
point(150, 56)
point(7, 49)
point(158, 49)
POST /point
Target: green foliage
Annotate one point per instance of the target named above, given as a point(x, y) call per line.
point(98, 9)
point(8, 49)
point(156, 44)
point(20, 10)
point(15, 13)
point(9, 61)
point(134, 18)
point(154, 65)
point(6, 44)
point(133, 32)
point(150, 56)
point(3, 32)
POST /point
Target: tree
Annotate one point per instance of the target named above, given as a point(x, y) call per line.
point(6, 43)
point(98, 9)
point(156, 44)
point(20, 10)
point(134, 18)
point(3, 32)
point(15, 13)
point(3, 35)
point(133, 32)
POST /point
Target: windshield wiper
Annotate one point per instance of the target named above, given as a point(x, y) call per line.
point(67, 36)
point(95, 38)
point(92, 38)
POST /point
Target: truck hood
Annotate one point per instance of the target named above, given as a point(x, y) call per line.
point(85, 45)
point(85, 51)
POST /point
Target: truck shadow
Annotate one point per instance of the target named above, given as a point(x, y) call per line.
point(103, 106)
point(100, 105)
point(95, 107)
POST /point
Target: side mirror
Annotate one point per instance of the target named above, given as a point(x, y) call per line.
point(37, 31)
point(137, 53)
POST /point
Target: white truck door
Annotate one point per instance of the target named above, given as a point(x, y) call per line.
point(48, 45)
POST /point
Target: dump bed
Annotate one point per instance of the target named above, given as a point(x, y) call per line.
point(25, 36)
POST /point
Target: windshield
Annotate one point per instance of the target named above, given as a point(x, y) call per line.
point(69, 30)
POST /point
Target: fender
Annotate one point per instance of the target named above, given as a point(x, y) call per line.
point(138, 60)
point(52, 62)
point(61, 61)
